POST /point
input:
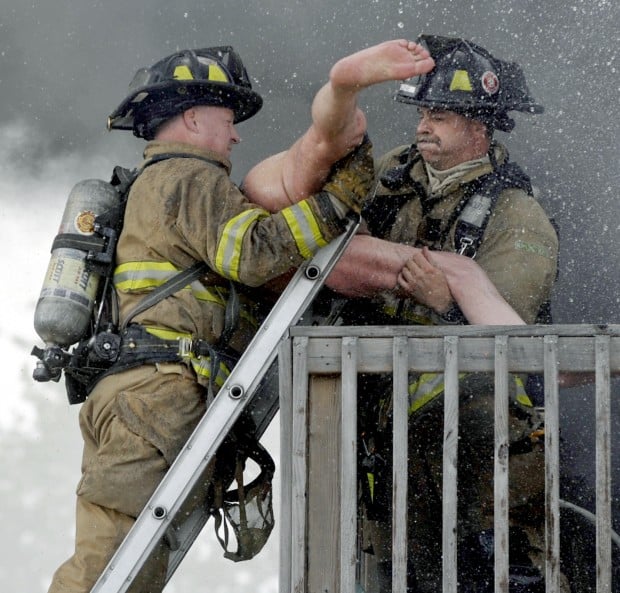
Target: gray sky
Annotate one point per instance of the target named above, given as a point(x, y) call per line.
point(66, 64)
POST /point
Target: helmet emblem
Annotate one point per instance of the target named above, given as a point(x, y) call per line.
point(490, 82)
point(182, 73)
point(460, 81)
point(217, 73)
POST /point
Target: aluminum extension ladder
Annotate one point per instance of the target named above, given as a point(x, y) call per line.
point(235, 396)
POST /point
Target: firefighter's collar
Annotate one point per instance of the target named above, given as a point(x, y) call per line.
point(155, 148)
point(439, 181)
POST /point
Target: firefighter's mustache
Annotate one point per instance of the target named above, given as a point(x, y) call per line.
point(427, 140)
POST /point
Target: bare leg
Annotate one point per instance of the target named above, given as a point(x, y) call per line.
point(338, 125)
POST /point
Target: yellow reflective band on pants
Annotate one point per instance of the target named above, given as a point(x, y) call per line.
point(411, 317)
point(371, 485)
point(200, 364)
point(429, 385)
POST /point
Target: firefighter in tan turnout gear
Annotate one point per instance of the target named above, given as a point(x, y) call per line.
point(182, 209)
point(456, 190)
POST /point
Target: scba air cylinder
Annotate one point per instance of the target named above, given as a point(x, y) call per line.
point(69, 289)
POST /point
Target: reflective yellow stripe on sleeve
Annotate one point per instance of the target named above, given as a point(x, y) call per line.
point(299, 218)
point(228, 257)
point(304, 228)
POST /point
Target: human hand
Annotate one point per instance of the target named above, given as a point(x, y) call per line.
point(423, 281)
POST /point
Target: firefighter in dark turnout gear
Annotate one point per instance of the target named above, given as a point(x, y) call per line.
point(456, 190)
point(182, 209)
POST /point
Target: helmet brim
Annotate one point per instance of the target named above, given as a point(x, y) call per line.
point(244, 102)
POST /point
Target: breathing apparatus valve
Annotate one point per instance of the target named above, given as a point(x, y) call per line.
point(50, 364)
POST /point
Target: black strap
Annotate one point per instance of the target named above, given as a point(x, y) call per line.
point(168, 288)
point(125, 179)
point(77, 241)
point(468, 236)
point(380, 212)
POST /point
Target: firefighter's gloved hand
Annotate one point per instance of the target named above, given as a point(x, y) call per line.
point(353, 177)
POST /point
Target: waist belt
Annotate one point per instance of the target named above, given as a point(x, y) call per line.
point(138, 346)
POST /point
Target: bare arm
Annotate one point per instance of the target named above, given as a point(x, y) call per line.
point(476, 295)
point(371, 265)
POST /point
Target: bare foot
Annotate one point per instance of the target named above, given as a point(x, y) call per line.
point(397, 59)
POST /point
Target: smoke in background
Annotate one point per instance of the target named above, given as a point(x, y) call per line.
point(66, 64)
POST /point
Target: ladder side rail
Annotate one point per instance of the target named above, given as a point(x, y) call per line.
point(262, 408)
point(185, 472)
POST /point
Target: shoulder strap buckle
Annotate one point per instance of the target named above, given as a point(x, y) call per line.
point(467, 248)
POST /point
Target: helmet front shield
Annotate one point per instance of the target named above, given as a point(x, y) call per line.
point(469, 80)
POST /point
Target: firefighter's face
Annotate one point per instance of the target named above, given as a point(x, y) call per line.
point(446, 139)
point(214, 128)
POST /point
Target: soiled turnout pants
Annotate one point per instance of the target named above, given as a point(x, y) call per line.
point(134, 424)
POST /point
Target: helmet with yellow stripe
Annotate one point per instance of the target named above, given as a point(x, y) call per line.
point(209, 76)
point(467, 79)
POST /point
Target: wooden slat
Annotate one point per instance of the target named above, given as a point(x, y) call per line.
point(398, 350)
point(552, 465)
point(348, 467)
point(412, 331)
point(299, 464)
point(450, 458)
point(426, 354)
point(285, 378)
point(323, 487)
point(501, 465)
point(399, 468)
point(603, 466)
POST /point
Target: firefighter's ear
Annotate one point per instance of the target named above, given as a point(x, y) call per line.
point(190, 120)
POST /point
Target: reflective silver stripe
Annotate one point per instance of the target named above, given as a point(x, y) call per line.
point(202, 367)
point(142, 276)
point(304, 228)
